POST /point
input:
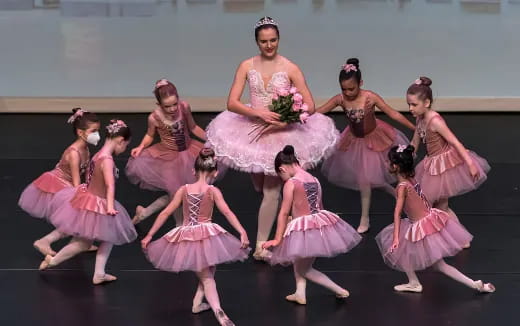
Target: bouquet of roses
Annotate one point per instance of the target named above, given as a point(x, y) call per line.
point(289, 105)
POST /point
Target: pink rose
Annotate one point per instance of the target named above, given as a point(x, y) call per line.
point(305, 107)
point(303, 117)
point(298, 98)
point(283, 92)
point(293, 90)
point(275, 97)
point(296, 107)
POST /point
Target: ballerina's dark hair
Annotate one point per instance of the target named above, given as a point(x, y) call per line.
point(286, 156)
point(206, 161)
point(350, 70)
point(402, 156)
point(264, 23)
point(81, 119)
point(118, 128)
point(421, 88)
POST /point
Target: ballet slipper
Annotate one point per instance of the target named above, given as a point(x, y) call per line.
point(44, 248)
point(364, 225)
point(200, 308)
point(92, 248)
point(296, 299)
point(100, 279)
point(46, 263)
point(409, 287)
point(343, 295)
point(138, 217)
point(223, 319)
point(484, 287)
point(466, 246)
point(261, 254)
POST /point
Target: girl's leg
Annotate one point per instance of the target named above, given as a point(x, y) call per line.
point(364, 223)
point(305, 268)
point(75, 246)
point(141, 213)
point(199, 306)
point(413, 284)
point(100, 276)
point(43, 245)
point(455, 274)
point(299, 295)
point(206, 278)
point(267, 214)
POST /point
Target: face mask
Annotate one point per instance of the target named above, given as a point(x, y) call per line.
point(93, 138)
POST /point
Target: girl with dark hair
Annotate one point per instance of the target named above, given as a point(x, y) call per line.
point(359, 161)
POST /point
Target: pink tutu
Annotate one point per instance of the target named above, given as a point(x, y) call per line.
point(194, 248)
point(37, 197)
point(424, 242)
point(229, 135)
point(446, 175)
point(363, 161)
point(83, 214)
point(323, 234)
point(160, 168)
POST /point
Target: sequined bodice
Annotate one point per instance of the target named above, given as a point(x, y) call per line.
point(362, 120)
point(174, 135)
point(416, 205)
point(262, 95)
point(435, 143)
point(63, 166)
point(306, 198)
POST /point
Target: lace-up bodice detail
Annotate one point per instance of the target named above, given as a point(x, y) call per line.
point(312, 192)
point(194, 201)
point(416, 205)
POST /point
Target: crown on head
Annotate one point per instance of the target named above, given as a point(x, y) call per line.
point(265, 21)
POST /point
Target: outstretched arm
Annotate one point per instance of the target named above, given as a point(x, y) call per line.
point(285, 210)
point(192, 125)
point(331, 104)
point(389, 111)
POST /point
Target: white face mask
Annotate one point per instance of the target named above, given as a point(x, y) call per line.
point(93, 138)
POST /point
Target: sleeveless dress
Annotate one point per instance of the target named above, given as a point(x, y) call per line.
point(167, 165)
point(361, 156)
point(38, 198)
point(443, 172)
point(198, 243)
point(83, 212)
point(229, 133)
point(313, 231)
point(425, 237)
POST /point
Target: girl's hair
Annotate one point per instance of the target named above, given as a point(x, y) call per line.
point(163, 89)
point(350, 70)
point(421, 88)
point(286, 156)
point(264, 23)
point(206, 161)
point(118, 128)
point(81, 119)
point(402, 156)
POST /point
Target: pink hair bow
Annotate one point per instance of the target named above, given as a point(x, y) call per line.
point(349, 67)
point(78, 113)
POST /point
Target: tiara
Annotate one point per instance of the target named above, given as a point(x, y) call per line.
point(116, 126)
point(77, 114)
point(265, 21)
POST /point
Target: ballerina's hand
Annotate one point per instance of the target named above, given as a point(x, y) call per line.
point(473, 171)
point(244, 240)
point(394, 246)
point(276, 126)
point(136, 151)
point(146, 240)
point(268, 116)
point(112, 212)
point(269, 244)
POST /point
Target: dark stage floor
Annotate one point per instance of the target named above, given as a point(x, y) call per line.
point(253, 293)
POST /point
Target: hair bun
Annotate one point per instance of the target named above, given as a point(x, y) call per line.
point(76, 109)
point(288, 150)
point(410, 148)
point(207, 152)
point(425, 81)
point(353, 61)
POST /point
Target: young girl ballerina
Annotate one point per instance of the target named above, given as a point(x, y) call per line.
point(359, 160)
point(168, 164)
point(449, 169)
point(90, 212)
point(426, 236)
point(199, 244)
point(312, 232)
point(37, 198)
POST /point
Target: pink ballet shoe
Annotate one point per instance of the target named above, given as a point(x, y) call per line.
point(364, 225)
point(100, 279)
point(138, 217)
point(296, 299)
point(223, 319)
point(467, 245)
point(200, 308)
point(44, 248)
point(92, 248)
point(409, 287)
point(343, 295)
point(46, 263)
point(484, 287)
point(261, 254)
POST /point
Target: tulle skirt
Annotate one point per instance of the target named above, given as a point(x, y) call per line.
point(424, 242)
point(359, 162)
point(231, 136)
point(83, 214)
point(446, 175)
point(194, 248)
point(323, 234)
point(159, 168)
